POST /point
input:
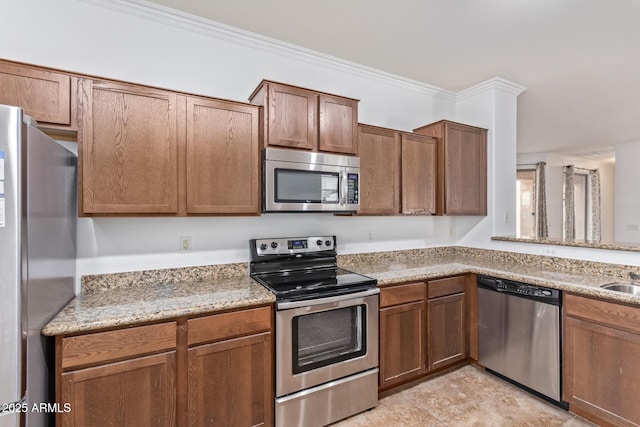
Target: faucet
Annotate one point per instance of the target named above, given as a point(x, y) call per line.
point(633, 276)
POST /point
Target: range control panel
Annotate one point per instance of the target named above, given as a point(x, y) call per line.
point(294, 245)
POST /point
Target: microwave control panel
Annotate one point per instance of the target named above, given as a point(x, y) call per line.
point(352, 189)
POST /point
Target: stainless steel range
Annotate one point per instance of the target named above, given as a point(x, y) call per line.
point(326, 330)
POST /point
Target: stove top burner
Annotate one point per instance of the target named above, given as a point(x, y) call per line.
point(313, 283)
point(303, 268)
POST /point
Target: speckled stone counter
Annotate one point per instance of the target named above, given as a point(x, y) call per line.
point(594, 244)
point(115, 302)
point(123, 299)
point(580, 277)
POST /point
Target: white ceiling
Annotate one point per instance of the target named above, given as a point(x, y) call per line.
point(579, 59)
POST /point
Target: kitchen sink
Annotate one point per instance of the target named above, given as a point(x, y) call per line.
point(628, 288)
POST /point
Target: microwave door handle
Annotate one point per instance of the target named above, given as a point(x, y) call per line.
point(344, 185)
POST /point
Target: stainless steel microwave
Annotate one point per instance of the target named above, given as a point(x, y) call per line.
point(302, 181)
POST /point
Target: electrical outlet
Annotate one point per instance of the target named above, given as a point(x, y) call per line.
point(506, 217)
point(185, 244)
point(370, 236)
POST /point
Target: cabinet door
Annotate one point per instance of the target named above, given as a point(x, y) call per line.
point(128, 149)
point(379, 152)
point(45, 95)
point(446, 331)
point(230, 383)
point(338, 124)
point(465, 170)
point(402, 345)
point(419, 154)
point(222, 157)
point(601, 372)
point(291, 117)
point(136, 392)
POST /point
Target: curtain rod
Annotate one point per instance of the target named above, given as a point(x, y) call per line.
point(585, 169)
point(530, 164)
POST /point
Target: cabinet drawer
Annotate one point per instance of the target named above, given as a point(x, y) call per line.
point(228, 325)
point(448, 286)
point(402, 294)
point(102, 347)
point(617, 315)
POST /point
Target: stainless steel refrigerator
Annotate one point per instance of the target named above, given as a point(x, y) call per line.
point(37, 262)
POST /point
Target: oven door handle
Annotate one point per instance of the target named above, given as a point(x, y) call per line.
point(307, 303)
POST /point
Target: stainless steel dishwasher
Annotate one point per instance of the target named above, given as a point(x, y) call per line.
point(519, 334)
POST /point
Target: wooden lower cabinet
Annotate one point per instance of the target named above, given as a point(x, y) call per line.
point(213, 370)
point(135, 392)
point(402, 346)
point(423, 329)
point(402, 334)
point(230, 384)
point(447, 326)
point(446, 331)
point(601, 376)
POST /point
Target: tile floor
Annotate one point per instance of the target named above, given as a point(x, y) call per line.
point(466, 397)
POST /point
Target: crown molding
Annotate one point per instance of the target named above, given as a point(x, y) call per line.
point(496, 83)
point(185, 21)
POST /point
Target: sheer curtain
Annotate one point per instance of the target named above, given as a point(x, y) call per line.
point(541, 201)
point(569, 203)
point(594, 198)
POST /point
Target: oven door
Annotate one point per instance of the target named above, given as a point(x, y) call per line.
point(321, 340)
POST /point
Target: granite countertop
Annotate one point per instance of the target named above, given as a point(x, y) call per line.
point(125, 306)
point(393, 271)
point(124, 299)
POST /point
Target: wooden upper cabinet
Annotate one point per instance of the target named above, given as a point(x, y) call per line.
point(419, 174)
point(338, 124)
point(379, 152)
point(222, 157)
point(289, 115)
point(44, 95)
point(128, 146)
point(296, 117)
point(462, 162)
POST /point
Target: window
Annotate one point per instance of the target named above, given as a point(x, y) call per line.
point(526, 206)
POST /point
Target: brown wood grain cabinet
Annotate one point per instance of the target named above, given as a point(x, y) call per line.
point(300, 118)
point(155, 152)
point(397, 172)
point(139, 391)
point(222, 157)
point(379, 152)
point(419, 173)
point(228, 382)
point(447, 322)
point(120, 377)
point(462, 167)
point(44, 94)
point(402, 334)
point(601, 350)
point(128, 149)
point(230, 378)
point(212, 370)
point(423, 329)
